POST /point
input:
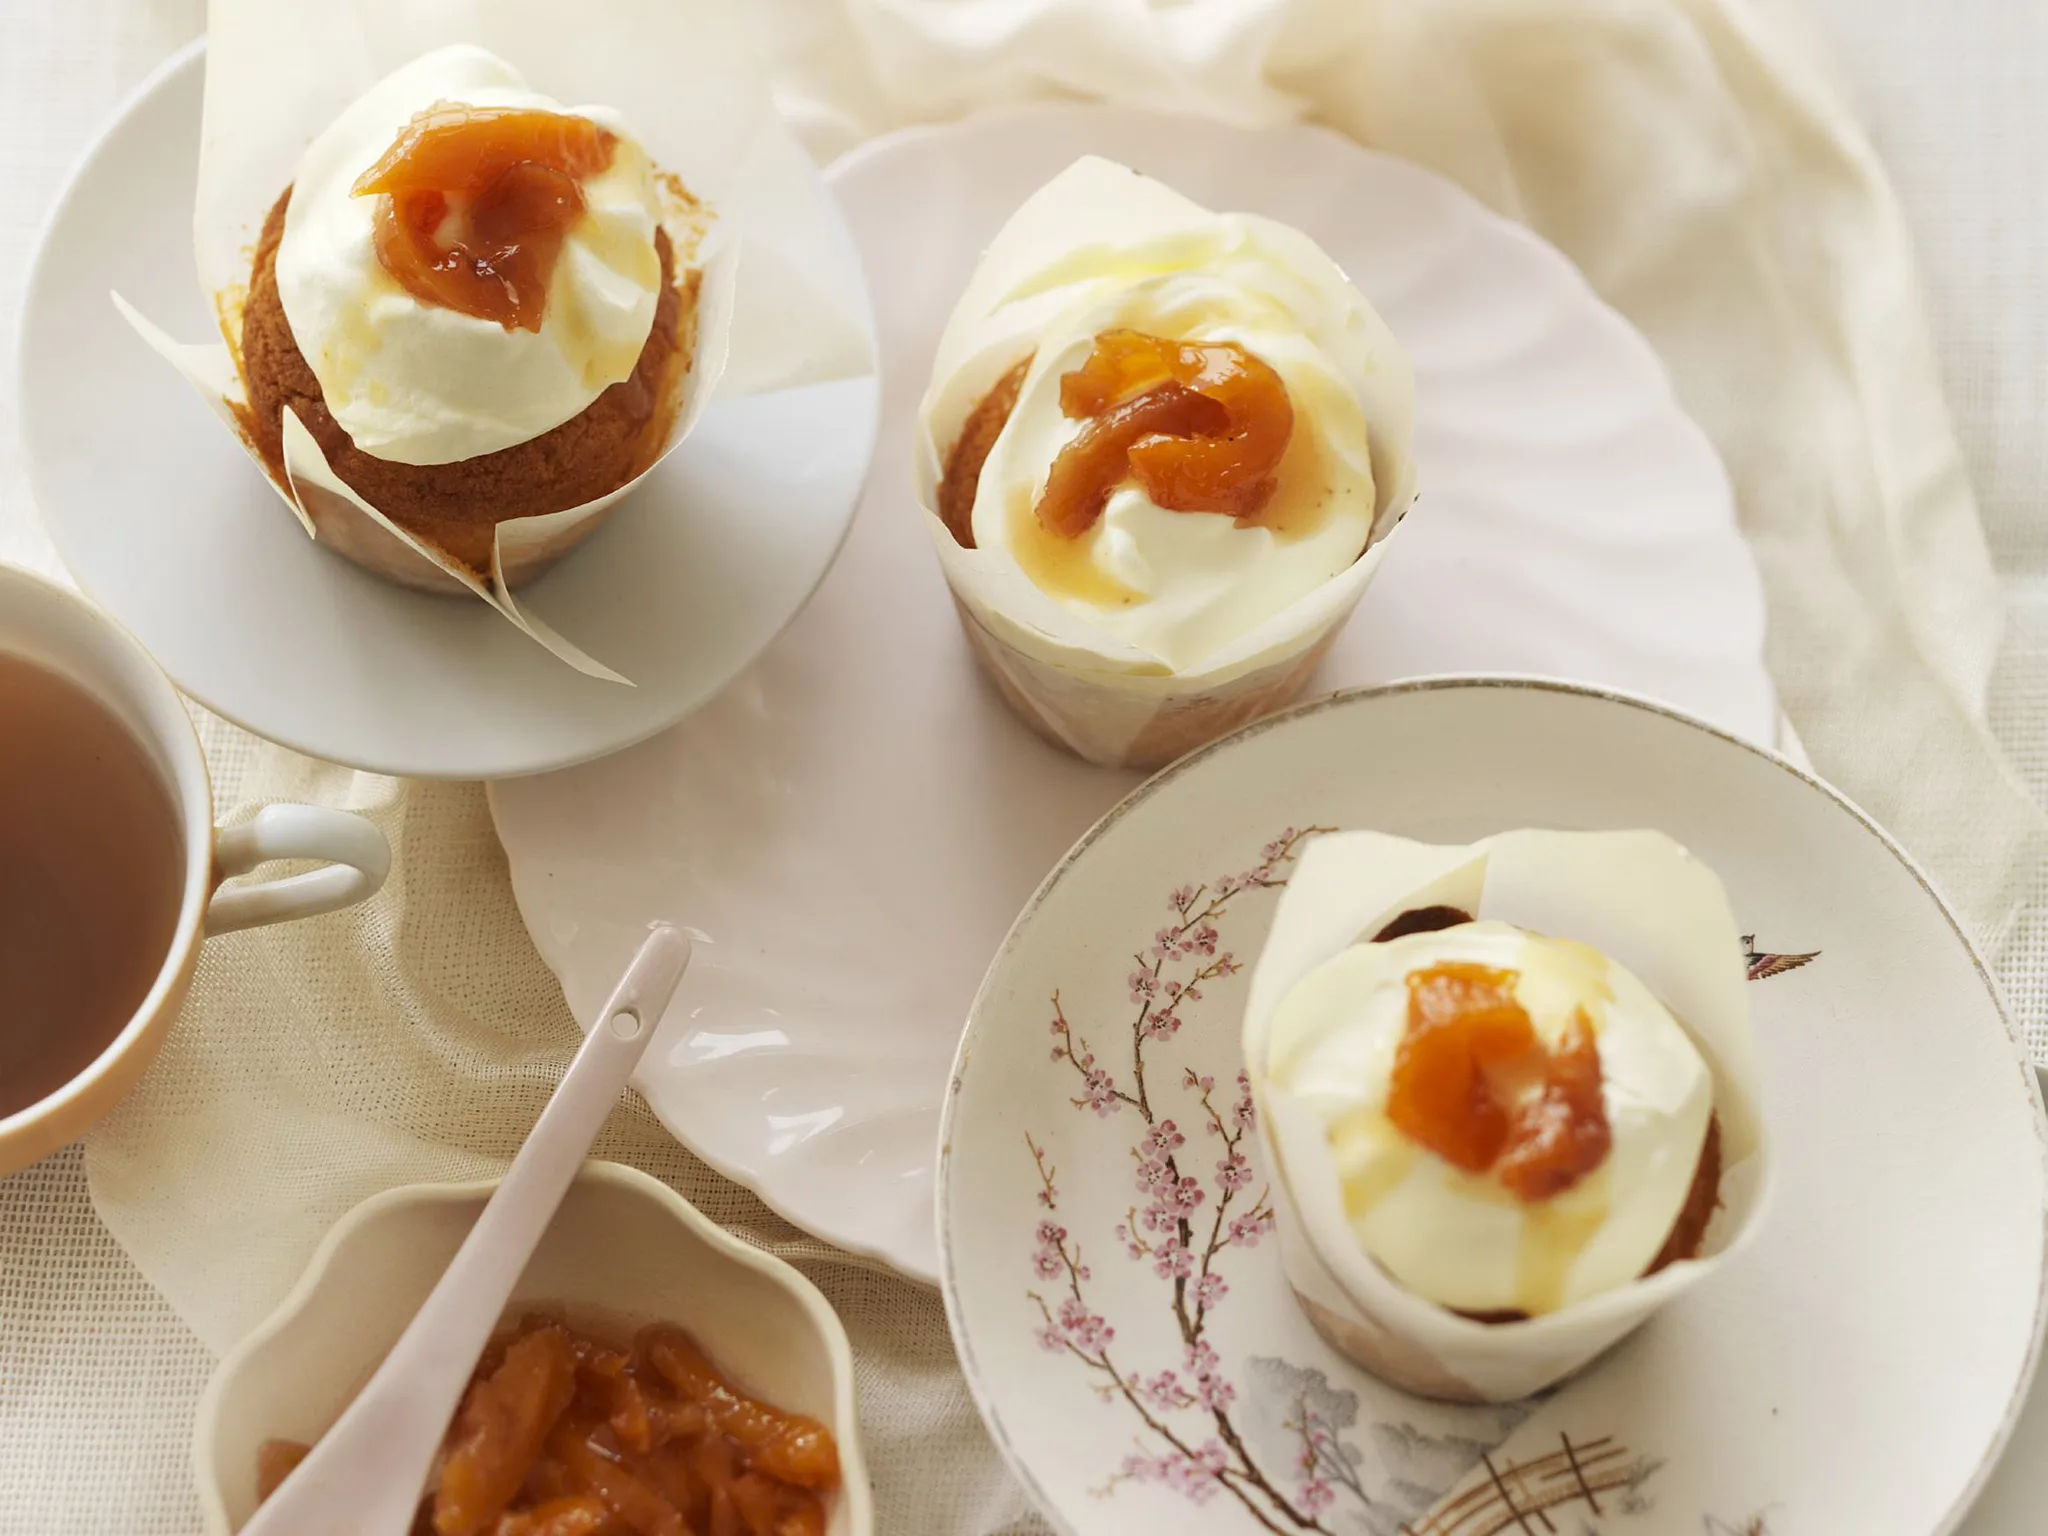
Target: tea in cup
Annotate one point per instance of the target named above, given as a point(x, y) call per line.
point(110, 864)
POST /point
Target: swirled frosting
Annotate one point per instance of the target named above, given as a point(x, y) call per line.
point(1177, 585)
point(417, 383)
point(1460, 1238)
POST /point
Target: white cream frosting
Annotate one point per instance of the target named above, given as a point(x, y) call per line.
point(417, 383)
point(1461, 1239)
point(1178, 587)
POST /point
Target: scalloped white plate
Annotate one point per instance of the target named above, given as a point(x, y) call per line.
point(159, 516)
point(1855, 1370)
point(850, 828)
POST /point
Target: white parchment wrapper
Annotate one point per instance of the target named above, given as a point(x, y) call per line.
point(1100, 697)
point(770, 314)
point(1637, 897)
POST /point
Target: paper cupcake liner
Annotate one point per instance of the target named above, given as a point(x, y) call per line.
point(279, 71)
point(370, 542)
point(1635, 896)
point(1120, 722)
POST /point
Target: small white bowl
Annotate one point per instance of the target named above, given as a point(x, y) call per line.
point(624, 1250)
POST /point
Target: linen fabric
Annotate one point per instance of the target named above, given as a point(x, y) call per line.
point(1695, 157)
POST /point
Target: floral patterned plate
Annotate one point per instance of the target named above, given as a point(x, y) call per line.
point(1105, 1230)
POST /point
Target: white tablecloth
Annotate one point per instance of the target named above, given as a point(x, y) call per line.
point(1953, 95)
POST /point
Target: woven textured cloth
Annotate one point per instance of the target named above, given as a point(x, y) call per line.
point(1692, 155)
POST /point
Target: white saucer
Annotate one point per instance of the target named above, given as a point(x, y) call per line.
point(852, 825)
point(160, 517)
point(1857, 1369)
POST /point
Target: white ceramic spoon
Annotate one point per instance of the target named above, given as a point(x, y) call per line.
point(365, 1476)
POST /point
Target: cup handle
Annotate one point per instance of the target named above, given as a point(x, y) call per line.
point(358, 858)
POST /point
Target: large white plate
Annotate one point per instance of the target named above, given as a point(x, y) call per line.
point(851, 826)
point(160, 517)
point(1855, 1370)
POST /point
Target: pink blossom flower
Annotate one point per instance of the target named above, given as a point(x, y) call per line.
point(1209, 1290)
point(1194, 1477)
point(1233, 1173)
point(1046, 1264)
point(1204, 939)
point(1246, 1230)
point(1215, 1394)
point(1192, 1481)
point(1163, 943)
point(1050, 1339)
point(1163, 1393)
point(1170, 1261)
point(1164, 1139)
point(1317, 1495)
point(1143, 984)
point(1187, 1194)
point(1049, 1196)
point(1162, 1026)
point(1182, 899)
point(1099, 1093)
point(1243, 1115)
point(1083, 1329)
point(1051, 1234)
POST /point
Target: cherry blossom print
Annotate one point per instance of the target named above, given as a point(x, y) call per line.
point(1185, 1216)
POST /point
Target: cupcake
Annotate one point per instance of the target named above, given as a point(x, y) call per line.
point(1158, 457)
point(469, 301)
point(1509, 1096)
point(462, 317)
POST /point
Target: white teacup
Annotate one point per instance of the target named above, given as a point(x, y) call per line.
point(44, 624)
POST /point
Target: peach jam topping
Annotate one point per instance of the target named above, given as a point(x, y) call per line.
point(1201, 426)
point(1475, 1084)
point(478, 201)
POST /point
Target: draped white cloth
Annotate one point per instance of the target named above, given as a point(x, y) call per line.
point(1697, 160)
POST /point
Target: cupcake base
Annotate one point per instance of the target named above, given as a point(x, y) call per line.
point(1413, 1367)
point(1140, 723)
point(456, 508)
point(1387, 1355)
point(340, 525)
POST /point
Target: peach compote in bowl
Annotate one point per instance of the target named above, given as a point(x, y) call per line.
point(654, 1373)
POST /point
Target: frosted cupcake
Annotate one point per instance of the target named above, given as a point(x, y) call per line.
point(1158, 455)
point(1509, 1094)
point(468, 300)
point(476, 269)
